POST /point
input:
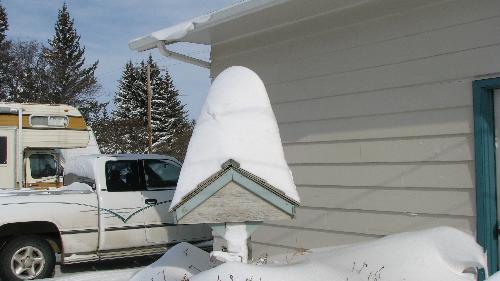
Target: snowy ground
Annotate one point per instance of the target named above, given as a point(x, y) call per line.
point(443, 254)
point(116, 270)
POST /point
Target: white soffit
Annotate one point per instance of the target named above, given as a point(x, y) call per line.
point(178, 32)
point(242, 19)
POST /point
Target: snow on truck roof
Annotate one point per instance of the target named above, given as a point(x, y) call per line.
point(236, 122)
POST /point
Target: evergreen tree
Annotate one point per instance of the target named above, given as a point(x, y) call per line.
point(27, 72)
point(70, 81)
point(168, 114)
point(169, 121)
point(128, 124)
point(128, 99)
point(5, 58)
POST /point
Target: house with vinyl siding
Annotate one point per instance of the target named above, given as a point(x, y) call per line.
point(386, 110)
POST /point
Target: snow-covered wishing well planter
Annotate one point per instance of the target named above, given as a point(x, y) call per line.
point(235, 174)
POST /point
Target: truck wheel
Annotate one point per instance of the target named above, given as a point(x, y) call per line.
point(26, 258)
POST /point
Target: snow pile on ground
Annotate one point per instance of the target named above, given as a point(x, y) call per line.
point(494, 277)
point(440, 254)
point(105, 275)
point(180, 263)
point(236, 122)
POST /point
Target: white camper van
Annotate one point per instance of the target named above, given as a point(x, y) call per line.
point(32, 137)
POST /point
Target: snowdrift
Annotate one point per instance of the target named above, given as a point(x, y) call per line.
point(236, 122)
point(105, 275)
point(494, 277)
point(441, 254)
point(181, 262)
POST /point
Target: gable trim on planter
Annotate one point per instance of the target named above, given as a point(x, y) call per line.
point(231, 171)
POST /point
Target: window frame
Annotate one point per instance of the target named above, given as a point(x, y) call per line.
point(485, 170)
point(141, 186)
point(45, 177)
point(48, 117)
point(143, 174)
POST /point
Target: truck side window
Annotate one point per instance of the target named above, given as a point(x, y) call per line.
point(160, 174)
point(123, 175)
point(42, 165)
point(3, 150)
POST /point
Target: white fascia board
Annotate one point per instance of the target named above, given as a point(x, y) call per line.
point(178, 32)
point(169, 35)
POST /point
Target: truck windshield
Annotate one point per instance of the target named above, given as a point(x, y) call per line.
point(160, 174)
point(42, 165)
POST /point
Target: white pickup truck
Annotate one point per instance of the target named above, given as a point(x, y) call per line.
point(111, 206)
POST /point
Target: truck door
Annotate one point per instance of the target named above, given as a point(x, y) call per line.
point(121, 207)
point(7, 158)
point(160, 176)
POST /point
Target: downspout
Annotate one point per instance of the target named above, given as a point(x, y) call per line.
point(180, 57)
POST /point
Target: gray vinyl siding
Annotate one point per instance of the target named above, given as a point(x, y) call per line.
point(375, 117)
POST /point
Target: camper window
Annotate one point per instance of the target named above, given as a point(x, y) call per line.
point(3, 150)
point(49, 121)
point(42, 165)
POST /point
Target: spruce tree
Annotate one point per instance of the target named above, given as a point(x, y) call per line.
point(5, 57)
point(127, 104)
point(128, 123)
point(169, 119)
point(168, 113)
point(70, 81)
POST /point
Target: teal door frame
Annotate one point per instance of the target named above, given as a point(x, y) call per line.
point(485, 166)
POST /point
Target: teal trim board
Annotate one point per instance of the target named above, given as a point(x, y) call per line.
point(485, 167)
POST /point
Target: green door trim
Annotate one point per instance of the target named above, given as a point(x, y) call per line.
point(485, 167)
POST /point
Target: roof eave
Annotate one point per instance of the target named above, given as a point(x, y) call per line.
point(178, 32)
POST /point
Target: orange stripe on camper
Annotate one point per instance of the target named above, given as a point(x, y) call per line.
point(76, 123)
point(10, 120)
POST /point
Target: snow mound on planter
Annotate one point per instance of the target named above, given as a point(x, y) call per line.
point(441, 254)
point(236, 122)
point(180, 262)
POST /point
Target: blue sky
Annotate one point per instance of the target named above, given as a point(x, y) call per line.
point(106, 27)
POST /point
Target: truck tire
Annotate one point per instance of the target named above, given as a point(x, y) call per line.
point(26, 258)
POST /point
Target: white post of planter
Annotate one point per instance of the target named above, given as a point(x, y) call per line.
point(236, 235)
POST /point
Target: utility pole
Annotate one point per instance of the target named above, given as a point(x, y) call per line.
point(150, 94)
